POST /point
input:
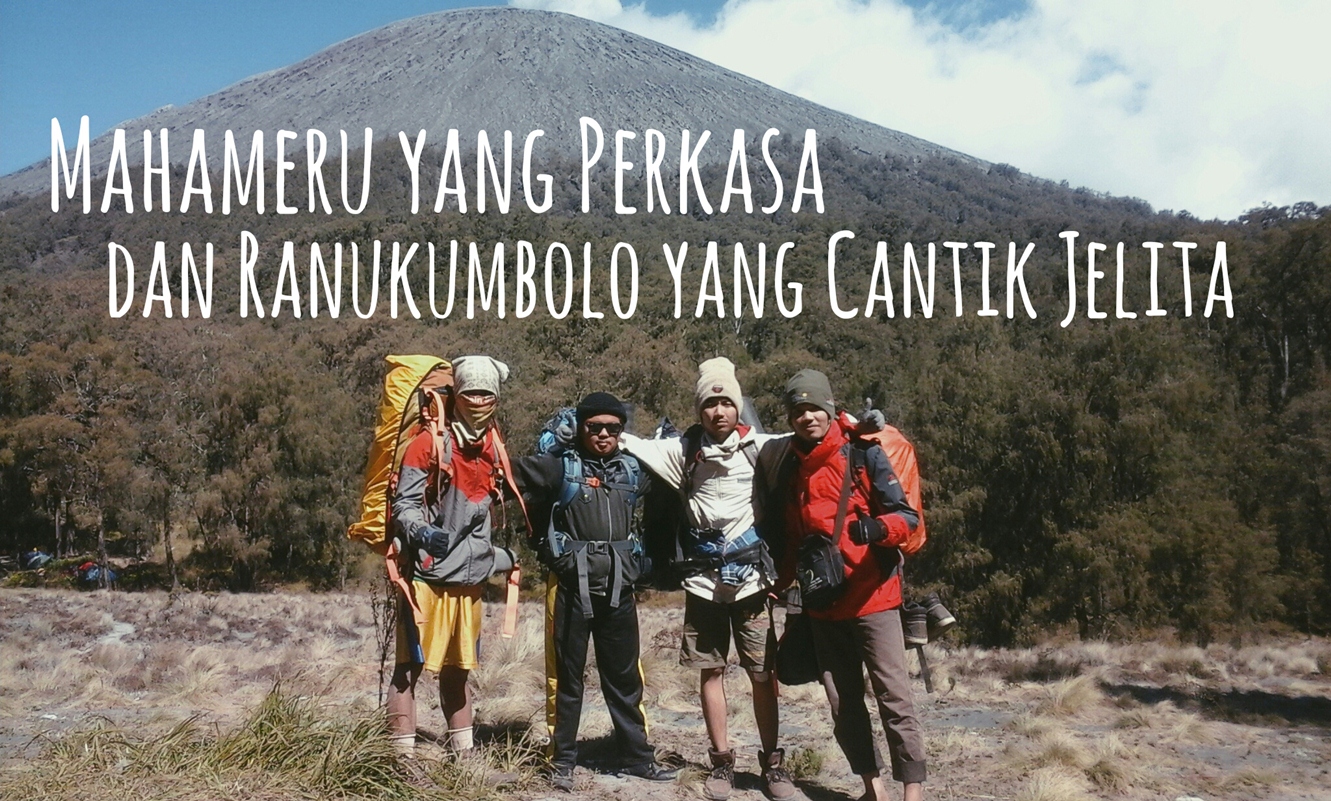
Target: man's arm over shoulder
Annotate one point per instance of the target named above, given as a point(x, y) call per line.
point(772, 453)
point(538, 476)
point(889, 499)
point(664, 457)
point(769, 498)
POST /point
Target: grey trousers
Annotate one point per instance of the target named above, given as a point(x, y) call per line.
point(844, 649)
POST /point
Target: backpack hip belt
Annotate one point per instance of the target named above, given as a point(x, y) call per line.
point(731, 558)
point(619, 551)
point(561, 543)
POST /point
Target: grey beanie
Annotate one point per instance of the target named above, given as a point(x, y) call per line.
point(811, 387)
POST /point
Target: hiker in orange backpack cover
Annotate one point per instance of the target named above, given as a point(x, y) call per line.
point(441, 520)
point(828, 477)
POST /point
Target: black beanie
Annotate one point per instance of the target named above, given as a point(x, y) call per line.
point(601, 403)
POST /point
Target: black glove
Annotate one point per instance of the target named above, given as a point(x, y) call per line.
point(865, 530)
point(433, 540)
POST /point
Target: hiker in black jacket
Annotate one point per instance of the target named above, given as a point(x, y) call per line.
point(582, 501)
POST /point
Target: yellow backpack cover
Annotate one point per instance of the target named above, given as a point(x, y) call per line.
point(398, 417)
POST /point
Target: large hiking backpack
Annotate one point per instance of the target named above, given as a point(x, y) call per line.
point(901, 453)
point(414, 398)
point(412, 390)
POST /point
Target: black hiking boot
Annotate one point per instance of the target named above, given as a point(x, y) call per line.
point(939, 619)
point(914, 624)
point(561, 777)
point(651, 771)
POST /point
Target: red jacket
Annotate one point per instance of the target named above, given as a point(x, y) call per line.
point(873, 582)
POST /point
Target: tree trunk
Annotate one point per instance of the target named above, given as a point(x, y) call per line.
point(101, 552)
point(69, 532)
point(166, 541)
point(58, 540)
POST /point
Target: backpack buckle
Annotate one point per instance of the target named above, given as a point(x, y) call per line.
point(593, 482)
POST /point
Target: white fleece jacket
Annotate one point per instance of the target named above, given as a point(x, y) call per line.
point(722, 495)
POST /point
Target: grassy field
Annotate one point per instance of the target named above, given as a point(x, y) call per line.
point(275, 696)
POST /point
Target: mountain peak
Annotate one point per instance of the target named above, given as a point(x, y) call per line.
point(494, 69)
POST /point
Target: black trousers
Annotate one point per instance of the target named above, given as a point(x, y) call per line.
point(614, 632)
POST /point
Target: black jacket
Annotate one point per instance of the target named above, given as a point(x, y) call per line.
point(601, 510)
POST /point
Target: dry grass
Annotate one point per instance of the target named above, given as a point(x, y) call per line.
point(290, 745)
point(1054, 748)
point(175, 678)
point(1071, 697)
point(1251, 779)
point(1114, 767)
point(1029, 725)
point(1054, 785)
point(508, 687)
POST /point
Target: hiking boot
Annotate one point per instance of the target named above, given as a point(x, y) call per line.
point(940, 620)
point(777, 783)
point(651, 771)
point(914, 624)
point(721, 781)
point(561, 778)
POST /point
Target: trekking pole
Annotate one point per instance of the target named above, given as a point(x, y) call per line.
point(924, 669)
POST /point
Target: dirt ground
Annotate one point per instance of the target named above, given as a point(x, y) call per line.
point(1066, 721)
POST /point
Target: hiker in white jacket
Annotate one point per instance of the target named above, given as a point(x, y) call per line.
point(727, 590)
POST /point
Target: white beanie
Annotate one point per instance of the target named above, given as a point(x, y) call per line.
point(716, 379)
point(478, 373)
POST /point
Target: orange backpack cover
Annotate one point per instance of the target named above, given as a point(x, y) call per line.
point(901, 453)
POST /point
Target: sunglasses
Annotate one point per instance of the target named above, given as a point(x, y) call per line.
point(613, 429)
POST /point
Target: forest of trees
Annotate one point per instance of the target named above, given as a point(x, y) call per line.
point(1110, 478)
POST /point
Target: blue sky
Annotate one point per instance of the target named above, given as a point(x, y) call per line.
point(1214, 106)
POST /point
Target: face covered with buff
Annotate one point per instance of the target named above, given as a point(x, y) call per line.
point(476, 381)
point(476, 408)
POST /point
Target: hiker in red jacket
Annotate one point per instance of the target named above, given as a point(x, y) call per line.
point(861, 627)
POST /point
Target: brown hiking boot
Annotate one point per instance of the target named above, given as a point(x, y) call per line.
point(776, 781)
point(721, 781)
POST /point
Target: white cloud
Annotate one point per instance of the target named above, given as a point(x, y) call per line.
point(1213, 106)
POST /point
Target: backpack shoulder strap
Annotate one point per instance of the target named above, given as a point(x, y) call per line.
point(692, 455)
point(574, 477)
point(633, 470)
point(859, 450)
point(854, 464)
point(750, 451)
point(441, 452)
point(506, 468)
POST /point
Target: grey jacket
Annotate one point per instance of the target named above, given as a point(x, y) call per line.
point(446, 529)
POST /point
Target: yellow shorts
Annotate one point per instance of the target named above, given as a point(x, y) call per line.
point(450, 629)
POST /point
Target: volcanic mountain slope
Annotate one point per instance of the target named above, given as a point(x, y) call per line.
point(495, 69)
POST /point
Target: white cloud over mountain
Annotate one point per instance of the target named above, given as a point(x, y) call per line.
point(1214, 107)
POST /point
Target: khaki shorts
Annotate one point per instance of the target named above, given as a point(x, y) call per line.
point(708, 627)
